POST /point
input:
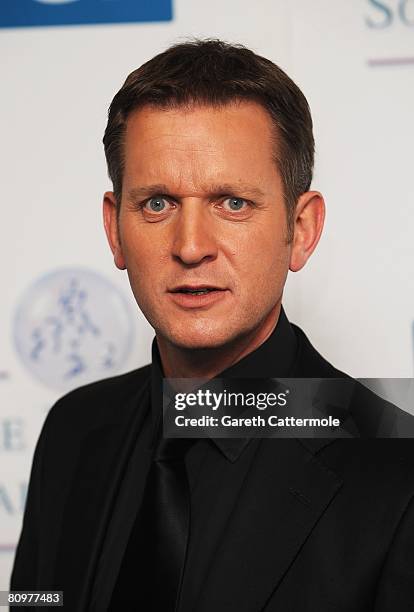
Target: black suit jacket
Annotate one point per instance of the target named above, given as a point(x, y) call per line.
point(321, 525)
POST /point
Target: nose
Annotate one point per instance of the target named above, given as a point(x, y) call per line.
point(194, 241)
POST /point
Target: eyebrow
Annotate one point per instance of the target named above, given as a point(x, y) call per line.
point(215, 191)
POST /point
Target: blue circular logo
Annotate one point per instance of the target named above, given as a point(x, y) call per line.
point(71, 327)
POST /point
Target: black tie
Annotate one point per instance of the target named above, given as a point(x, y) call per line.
point(152, 568)
point(166, 513)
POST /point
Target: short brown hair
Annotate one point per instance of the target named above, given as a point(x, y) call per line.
point(213, 72)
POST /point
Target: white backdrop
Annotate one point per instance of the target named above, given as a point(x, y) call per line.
point(354, 60)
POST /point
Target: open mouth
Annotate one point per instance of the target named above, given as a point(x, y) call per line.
point(197, 296)
point(196, 290)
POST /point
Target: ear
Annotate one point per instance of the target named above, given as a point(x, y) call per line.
point(308, 224)
point(110, 217)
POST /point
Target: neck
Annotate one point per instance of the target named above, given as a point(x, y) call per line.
point(206, 363)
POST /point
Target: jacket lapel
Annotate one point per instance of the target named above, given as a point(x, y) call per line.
point(286, 492)
point(128, 501)
point(102, 460)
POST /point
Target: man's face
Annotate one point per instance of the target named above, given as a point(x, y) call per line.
point(202, 225)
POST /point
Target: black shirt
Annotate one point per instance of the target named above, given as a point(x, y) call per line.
point(216, 469)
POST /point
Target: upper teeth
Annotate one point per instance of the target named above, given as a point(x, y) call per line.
point(197, 291)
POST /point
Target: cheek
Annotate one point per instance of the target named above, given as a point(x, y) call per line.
point(261, 257)
point(143, 250)
point(141, 267)
point(267, 270)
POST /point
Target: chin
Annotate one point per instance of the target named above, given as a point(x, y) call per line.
point(198, 339)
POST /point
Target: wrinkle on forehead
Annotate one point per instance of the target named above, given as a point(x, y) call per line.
point(195, 149)
point(172, 137)
point(198, 123)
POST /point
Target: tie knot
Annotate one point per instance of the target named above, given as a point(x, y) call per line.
point(169, 449)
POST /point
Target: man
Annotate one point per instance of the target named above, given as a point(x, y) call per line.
point(210, 151)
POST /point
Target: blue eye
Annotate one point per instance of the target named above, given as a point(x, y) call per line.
point(236, 203)
point(156, 204)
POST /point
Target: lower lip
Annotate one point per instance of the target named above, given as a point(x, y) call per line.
point(191, 300)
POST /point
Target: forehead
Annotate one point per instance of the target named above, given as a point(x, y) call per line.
point(200, 143)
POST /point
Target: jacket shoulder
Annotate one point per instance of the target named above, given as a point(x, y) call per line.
point(309, 363)
point(98, 402)
point(372, 415)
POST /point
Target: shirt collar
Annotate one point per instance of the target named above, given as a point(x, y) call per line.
point(272, 359)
